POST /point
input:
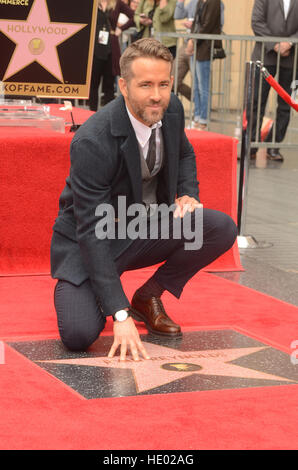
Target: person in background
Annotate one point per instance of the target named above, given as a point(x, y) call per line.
point(107, 49)
point(186, 11)
point(183, 11)
point(274, 18)
point(122, 19)
point(153, 16)
point(206, 21)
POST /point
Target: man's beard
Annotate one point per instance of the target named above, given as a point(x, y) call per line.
point(148, 117)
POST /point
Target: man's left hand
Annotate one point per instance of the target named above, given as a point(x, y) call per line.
point(284, 48)
point(186, 204)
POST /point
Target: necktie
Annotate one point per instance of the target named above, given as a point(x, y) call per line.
point(151, 157)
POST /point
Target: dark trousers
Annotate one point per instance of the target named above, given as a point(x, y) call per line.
point(283, 109)
point(183, 68)
point(101, 69)
point(173, 50)
point(80, 319)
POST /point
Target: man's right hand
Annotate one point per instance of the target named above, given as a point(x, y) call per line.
point(126, 335)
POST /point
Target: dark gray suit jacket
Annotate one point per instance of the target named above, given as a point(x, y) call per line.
point(105, 163)
point(268, 20)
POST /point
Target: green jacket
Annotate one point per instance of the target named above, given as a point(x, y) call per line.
point(163, 20)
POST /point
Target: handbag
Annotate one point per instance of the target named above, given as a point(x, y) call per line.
point(219, 53)
point(139, 34)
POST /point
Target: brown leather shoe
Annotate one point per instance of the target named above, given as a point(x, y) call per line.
point(153, 314)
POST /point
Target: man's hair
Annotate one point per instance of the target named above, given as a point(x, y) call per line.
point(146, 47)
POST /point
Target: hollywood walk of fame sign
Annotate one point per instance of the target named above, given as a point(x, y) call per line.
point(202, 360)
point(47, 47)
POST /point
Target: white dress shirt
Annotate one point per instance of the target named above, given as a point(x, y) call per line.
point(286, 7)
point(143, 134)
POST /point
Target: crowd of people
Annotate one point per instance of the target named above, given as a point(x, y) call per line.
point(149, 17)
point(200, 16)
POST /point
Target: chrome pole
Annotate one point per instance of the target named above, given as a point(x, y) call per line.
point(248, 100)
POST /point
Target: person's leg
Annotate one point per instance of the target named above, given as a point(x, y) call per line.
point(196, 92)
point(80, 319)
point(265, 88)
point(95, 81)
point(173, 50)
point(108, 84)
point(182, 69)
point(219, 234)
point(282, 114)
point(197, 95)
point(203, 74)
point(196, 99)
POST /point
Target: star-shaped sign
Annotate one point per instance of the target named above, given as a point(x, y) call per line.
point(36, 39)
point(167, 365)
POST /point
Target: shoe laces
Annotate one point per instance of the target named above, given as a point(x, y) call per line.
point(158, 303)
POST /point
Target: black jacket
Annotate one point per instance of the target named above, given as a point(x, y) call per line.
point(268, 19)
point(207, 21)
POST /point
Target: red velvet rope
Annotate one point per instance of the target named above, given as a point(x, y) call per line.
point(282, 93)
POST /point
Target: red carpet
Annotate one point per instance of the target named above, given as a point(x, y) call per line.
point(33, 175)
point(40, 412)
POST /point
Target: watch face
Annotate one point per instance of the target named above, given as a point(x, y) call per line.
point(121, 315)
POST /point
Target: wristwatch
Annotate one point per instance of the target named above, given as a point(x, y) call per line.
point(121, 315)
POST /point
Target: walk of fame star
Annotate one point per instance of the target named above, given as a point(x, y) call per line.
point(234, 361)
point(153, 373)
point(36, 40)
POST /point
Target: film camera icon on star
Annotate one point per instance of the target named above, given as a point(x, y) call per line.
point(36, 46)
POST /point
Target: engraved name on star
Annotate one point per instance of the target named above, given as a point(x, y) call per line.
point(167, 364)
point(36, 39)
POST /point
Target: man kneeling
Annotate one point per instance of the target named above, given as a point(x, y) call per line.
point(133, 148)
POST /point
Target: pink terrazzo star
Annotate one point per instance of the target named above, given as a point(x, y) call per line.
point(36, 39)
point(167, 364)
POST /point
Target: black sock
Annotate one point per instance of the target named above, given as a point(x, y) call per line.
point(150, 289)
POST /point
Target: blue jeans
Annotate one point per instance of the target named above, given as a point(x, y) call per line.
point(202, 71)
point(195, 93)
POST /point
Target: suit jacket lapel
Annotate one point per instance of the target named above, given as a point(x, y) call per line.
point(171, 152)
point(121, 126)
point(131, 155)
